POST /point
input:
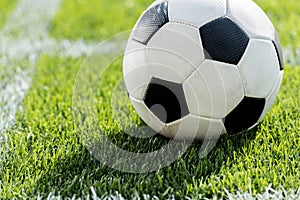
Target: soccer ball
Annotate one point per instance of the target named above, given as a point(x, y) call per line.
point(197, 68)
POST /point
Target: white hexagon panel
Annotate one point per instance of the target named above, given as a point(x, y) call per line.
point(174, 52)
point(136, 71)
point(259, 68)
point(214, 90)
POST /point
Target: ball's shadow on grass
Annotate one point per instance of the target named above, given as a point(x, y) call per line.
point(77, 172)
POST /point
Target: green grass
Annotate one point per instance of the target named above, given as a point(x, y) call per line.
point(96, 20)
point(46, 154)
point(6, 6)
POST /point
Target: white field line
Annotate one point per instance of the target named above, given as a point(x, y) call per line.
point(269, 194)
point(22, 40)
point(11, 95)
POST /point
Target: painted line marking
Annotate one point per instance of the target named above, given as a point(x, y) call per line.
point(23, 39)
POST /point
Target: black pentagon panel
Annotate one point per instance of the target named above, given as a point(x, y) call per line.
point(166, 100)
point(151, 21)
point(245, 115)
point(224, 41)
point(277, 45)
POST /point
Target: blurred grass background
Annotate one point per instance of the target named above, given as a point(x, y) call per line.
point(6, 6)
point(98, 20)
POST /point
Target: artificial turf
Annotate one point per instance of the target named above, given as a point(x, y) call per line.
point(45, 152)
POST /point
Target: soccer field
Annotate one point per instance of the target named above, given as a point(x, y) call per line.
point(43, 45)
